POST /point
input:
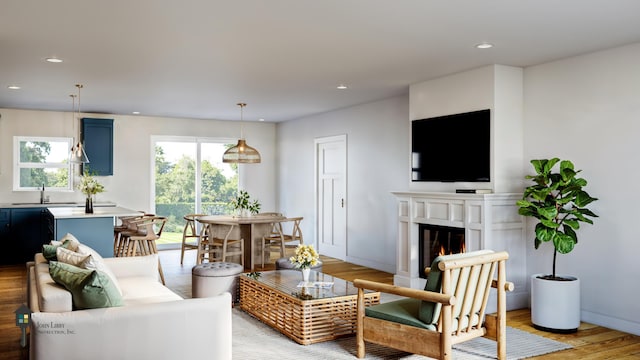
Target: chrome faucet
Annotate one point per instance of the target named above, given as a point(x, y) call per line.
point(42, 195)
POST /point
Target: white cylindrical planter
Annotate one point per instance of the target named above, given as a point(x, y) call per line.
point(555, 305)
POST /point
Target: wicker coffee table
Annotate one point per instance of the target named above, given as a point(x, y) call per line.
point(305, 314)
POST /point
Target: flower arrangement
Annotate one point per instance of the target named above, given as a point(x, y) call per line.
point(243, 202)
point(305, 257)
point(89, 185)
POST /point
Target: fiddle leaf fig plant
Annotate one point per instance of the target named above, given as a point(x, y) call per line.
point(558, 200)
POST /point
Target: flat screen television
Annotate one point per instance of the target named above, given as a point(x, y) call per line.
point(452, 148)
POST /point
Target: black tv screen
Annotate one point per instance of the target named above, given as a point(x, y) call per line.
point(452, 148)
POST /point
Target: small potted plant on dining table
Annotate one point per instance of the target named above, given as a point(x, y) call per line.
point(243, 205)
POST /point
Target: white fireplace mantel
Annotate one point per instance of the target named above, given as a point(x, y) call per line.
point(491, 221)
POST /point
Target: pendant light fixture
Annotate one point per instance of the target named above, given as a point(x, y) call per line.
point(241, 153)
point(77, 154)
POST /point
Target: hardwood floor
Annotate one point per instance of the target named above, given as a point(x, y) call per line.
point(13, 285)
point(590, 342)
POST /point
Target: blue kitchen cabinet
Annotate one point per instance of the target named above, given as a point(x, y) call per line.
point(95, 232)
point(8, 247)
point(23, 232)
point(97, 136)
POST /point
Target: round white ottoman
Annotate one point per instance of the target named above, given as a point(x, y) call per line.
point(211, 279)
point(284, 264)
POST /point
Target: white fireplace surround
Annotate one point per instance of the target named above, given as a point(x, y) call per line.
point(491, 221)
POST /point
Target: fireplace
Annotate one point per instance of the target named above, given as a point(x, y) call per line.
point(484, 221)
point(434, 240)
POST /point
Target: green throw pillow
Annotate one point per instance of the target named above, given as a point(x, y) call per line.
point(49, 250)
point(89, 288)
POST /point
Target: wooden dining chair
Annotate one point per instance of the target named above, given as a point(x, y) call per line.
point(280, 239)
point(190, 236)
point(274, 241)
point(294, 237)
point(223, 241)
point(275, 226)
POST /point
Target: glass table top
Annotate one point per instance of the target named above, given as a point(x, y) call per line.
point(319, 286)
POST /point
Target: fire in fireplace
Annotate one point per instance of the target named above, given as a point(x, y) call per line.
point(437, 240)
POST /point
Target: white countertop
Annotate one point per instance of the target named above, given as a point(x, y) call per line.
point(78, 212)
point(19, 205)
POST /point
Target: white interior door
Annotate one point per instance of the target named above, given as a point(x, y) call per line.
point(331, 189)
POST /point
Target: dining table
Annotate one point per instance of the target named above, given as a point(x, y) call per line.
point(252, 229)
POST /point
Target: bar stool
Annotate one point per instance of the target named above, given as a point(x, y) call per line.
point(143, 241)
point(188, 234)
point(128, 226)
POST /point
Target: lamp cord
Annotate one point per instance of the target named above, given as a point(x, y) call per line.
point(242, 105)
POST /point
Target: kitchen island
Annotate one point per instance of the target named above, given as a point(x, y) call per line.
point(94, 230)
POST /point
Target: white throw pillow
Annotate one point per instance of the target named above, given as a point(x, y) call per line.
point(95, 262)
point(71, 257)
point(73, 242)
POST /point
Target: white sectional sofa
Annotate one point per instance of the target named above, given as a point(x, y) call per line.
point(154, 322)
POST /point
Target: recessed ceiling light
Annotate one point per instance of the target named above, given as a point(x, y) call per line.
point(484, 45)
point(342, 87)
point(261, 119)
point(53, 60)
point(13, 87)
point(136, 113)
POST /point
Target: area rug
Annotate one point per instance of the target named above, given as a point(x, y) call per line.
point(253, 339)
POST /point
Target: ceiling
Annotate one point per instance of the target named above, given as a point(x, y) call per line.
point(284, 58)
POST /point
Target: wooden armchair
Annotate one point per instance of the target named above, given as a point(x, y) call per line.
point(450, 310)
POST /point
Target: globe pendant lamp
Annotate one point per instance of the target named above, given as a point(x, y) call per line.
point(77, 154)
point(241, 153)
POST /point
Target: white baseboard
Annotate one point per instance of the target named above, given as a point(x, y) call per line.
point(390, 268)
point(610, 322)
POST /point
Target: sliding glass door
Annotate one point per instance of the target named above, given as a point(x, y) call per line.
point(190, 178)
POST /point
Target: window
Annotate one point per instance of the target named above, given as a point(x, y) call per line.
point(41, 161)
point(190, 178)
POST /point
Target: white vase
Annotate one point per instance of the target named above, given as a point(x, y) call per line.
point(555, 305)
point(305, 274)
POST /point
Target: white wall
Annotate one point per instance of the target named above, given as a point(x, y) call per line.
point(377, 144)
point(129, 186)
point(587, 109)
point(508, 121)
